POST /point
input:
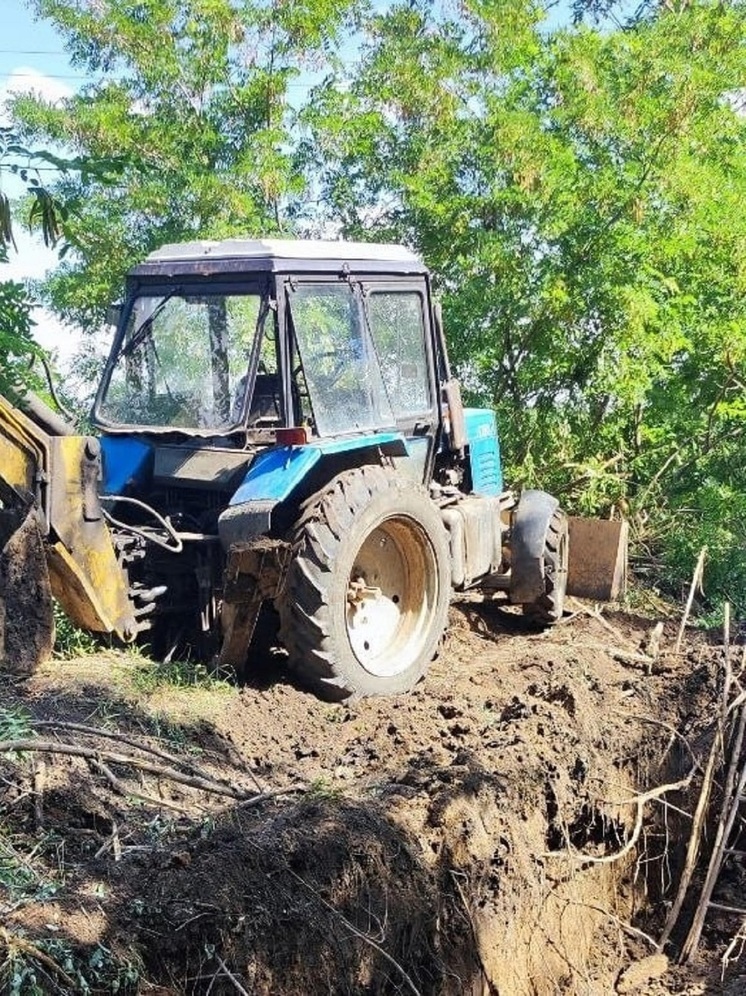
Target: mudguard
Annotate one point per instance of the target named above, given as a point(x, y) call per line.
point(276, 473)
point(528, 537)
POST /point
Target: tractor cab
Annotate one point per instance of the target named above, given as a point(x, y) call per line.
point(236, 344)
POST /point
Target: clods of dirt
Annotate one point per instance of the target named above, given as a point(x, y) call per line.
point(474, 836)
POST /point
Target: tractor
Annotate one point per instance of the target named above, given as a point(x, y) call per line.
point(281, 452)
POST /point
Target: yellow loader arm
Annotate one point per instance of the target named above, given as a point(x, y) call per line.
point(53, 537)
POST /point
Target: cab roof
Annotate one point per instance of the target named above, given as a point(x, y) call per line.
point(278, 256)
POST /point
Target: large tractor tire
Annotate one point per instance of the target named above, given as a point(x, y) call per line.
point(548, 608)
point(367, 592)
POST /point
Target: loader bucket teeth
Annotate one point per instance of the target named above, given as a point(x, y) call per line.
point(26, 613)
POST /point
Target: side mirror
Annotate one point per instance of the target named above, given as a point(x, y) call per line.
point(114, 314)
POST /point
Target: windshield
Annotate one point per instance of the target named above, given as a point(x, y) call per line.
point(183, 361)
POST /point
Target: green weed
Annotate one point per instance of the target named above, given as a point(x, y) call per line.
point(160, 726)
point(20, 877)
point(52, 965)
point(319, 790)
point(178, 674)
point(69, 640)
point(15, 724)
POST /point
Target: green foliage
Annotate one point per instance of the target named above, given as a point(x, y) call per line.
point(35, 968)
point(44, 211)
point(577, 194)
point(714, 517)
point(196, 99)
point(16, 344)
point(69, 640)
point(15, 724)
point(41, 211)
point(21, 879)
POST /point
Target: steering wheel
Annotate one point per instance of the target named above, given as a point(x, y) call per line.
point(329, 380)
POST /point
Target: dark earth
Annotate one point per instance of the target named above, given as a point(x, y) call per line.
point(479, 835)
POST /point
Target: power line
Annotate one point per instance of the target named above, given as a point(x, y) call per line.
point(31, 51)
point(37, 169)
point(46, 76)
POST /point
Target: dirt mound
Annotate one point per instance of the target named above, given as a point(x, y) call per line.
point(326, 896)
point(482, 834)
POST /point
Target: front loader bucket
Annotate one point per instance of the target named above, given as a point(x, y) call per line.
point(598, 558)
point(26, 613)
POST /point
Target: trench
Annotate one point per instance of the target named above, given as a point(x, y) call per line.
point(477, 836)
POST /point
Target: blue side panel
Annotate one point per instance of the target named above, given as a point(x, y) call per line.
point(275, 473)
point(484, 451)
point(128, 464)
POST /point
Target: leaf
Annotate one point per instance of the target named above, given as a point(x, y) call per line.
point(6, 223)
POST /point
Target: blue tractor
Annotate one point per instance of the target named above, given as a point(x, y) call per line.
point(283, 449)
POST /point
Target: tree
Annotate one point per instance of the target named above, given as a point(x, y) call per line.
point(576, 193)
point(17, 347)
point(197, 98)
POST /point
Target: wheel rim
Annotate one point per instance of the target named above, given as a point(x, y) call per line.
point(391, 595)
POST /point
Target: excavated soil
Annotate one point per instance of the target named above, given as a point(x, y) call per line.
point(481, 835)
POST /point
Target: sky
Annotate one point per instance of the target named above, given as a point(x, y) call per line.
point(32, 58)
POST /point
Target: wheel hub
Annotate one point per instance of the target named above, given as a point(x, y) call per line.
point(372, 621)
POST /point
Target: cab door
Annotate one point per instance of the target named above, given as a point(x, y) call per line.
point(397, 319)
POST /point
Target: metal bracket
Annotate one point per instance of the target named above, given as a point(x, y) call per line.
point(255, 572)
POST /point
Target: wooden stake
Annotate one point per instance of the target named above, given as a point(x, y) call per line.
point(728, 812)
point(696, 583)
point(692, 851)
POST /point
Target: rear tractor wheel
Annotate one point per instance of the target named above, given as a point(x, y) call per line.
point(548, 608)
point(367, 592)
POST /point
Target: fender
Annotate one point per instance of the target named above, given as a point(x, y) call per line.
point(276, 473)
point(528, 536)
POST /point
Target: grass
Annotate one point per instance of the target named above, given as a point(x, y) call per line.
point(181, 674)
point(321, 790)
point(69, 640)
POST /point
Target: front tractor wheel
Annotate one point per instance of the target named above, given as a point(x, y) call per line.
point(367, 592)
